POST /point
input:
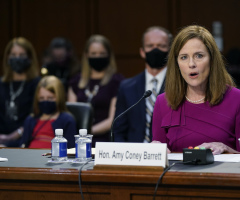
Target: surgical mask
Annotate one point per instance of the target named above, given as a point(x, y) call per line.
point(99, 64)
point(47, 107)
point(156, 58)
point(19, 65)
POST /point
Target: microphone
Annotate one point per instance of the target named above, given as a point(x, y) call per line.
point(145, 95)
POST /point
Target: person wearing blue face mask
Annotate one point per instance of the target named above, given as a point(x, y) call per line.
point(17, 86)
point(49, 113)
point(135, 126)
point(97, 84)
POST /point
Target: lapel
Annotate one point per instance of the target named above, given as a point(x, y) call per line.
point(141, 87)
point(162, 89)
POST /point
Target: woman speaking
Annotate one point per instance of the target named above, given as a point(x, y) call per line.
point(200, 106)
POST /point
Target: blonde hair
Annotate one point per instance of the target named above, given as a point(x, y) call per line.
point(32, 72)
point(86, 69)
point(55, 86)
point(218, 80)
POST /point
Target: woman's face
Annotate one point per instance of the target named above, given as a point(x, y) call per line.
point(194, 64)
point(18, 59)
point(97, 50)
point(45, 95)
point(17, 52)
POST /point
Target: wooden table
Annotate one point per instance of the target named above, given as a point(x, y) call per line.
point(62, 184)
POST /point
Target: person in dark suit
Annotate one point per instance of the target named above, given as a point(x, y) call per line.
point(135, 125)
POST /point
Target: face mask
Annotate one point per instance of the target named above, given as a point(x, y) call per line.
point(99, 64)
point(19, 65)
point(156, 58)
point(64, 63)
point(47, 107)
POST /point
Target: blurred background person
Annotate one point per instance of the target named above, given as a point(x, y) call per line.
point(60, 60)
point(136, 125)
point(200, 106)
point(49, 113)
point(233, 64)
point(17, 86)
point(97, 84)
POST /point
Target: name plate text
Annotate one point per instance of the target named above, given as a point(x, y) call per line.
point(139, 154)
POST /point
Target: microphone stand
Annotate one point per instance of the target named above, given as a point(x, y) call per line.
point(146, 94)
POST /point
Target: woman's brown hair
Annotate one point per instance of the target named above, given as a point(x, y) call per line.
point(218, 79)
point(32, 72)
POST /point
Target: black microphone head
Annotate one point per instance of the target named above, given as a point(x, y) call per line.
point(147, 93)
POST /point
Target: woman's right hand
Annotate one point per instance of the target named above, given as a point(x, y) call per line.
point(218, 148)
point(155, 141)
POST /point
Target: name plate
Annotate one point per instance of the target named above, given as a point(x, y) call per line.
point(138, 154)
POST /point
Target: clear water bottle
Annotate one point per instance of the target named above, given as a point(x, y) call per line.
point(59, 146)
point(89, 148)
point(76, 138)
point(83, 147)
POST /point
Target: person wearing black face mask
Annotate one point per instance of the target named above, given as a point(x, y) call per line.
point(135, 126)
point(19, 65)
point(17, 88)
point(98, 64)
point(61, 62)
point(156, 58)
point(49, 113)
point(97, 84)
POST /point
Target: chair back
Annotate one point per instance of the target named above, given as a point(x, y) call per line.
point(83, 114)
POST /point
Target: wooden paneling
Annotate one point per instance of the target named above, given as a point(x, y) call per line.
point(5, 26)
point(205, 12)
point(59, 184)
point(123, 22)
point(40, 21)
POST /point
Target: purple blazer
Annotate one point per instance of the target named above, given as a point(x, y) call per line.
point(193, 124)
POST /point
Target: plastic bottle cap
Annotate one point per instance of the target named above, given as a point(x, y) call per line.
point(58, 131)
point(83, 132)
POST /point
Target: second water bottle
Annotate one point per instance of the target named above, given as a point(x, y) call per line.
point(83, 146)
